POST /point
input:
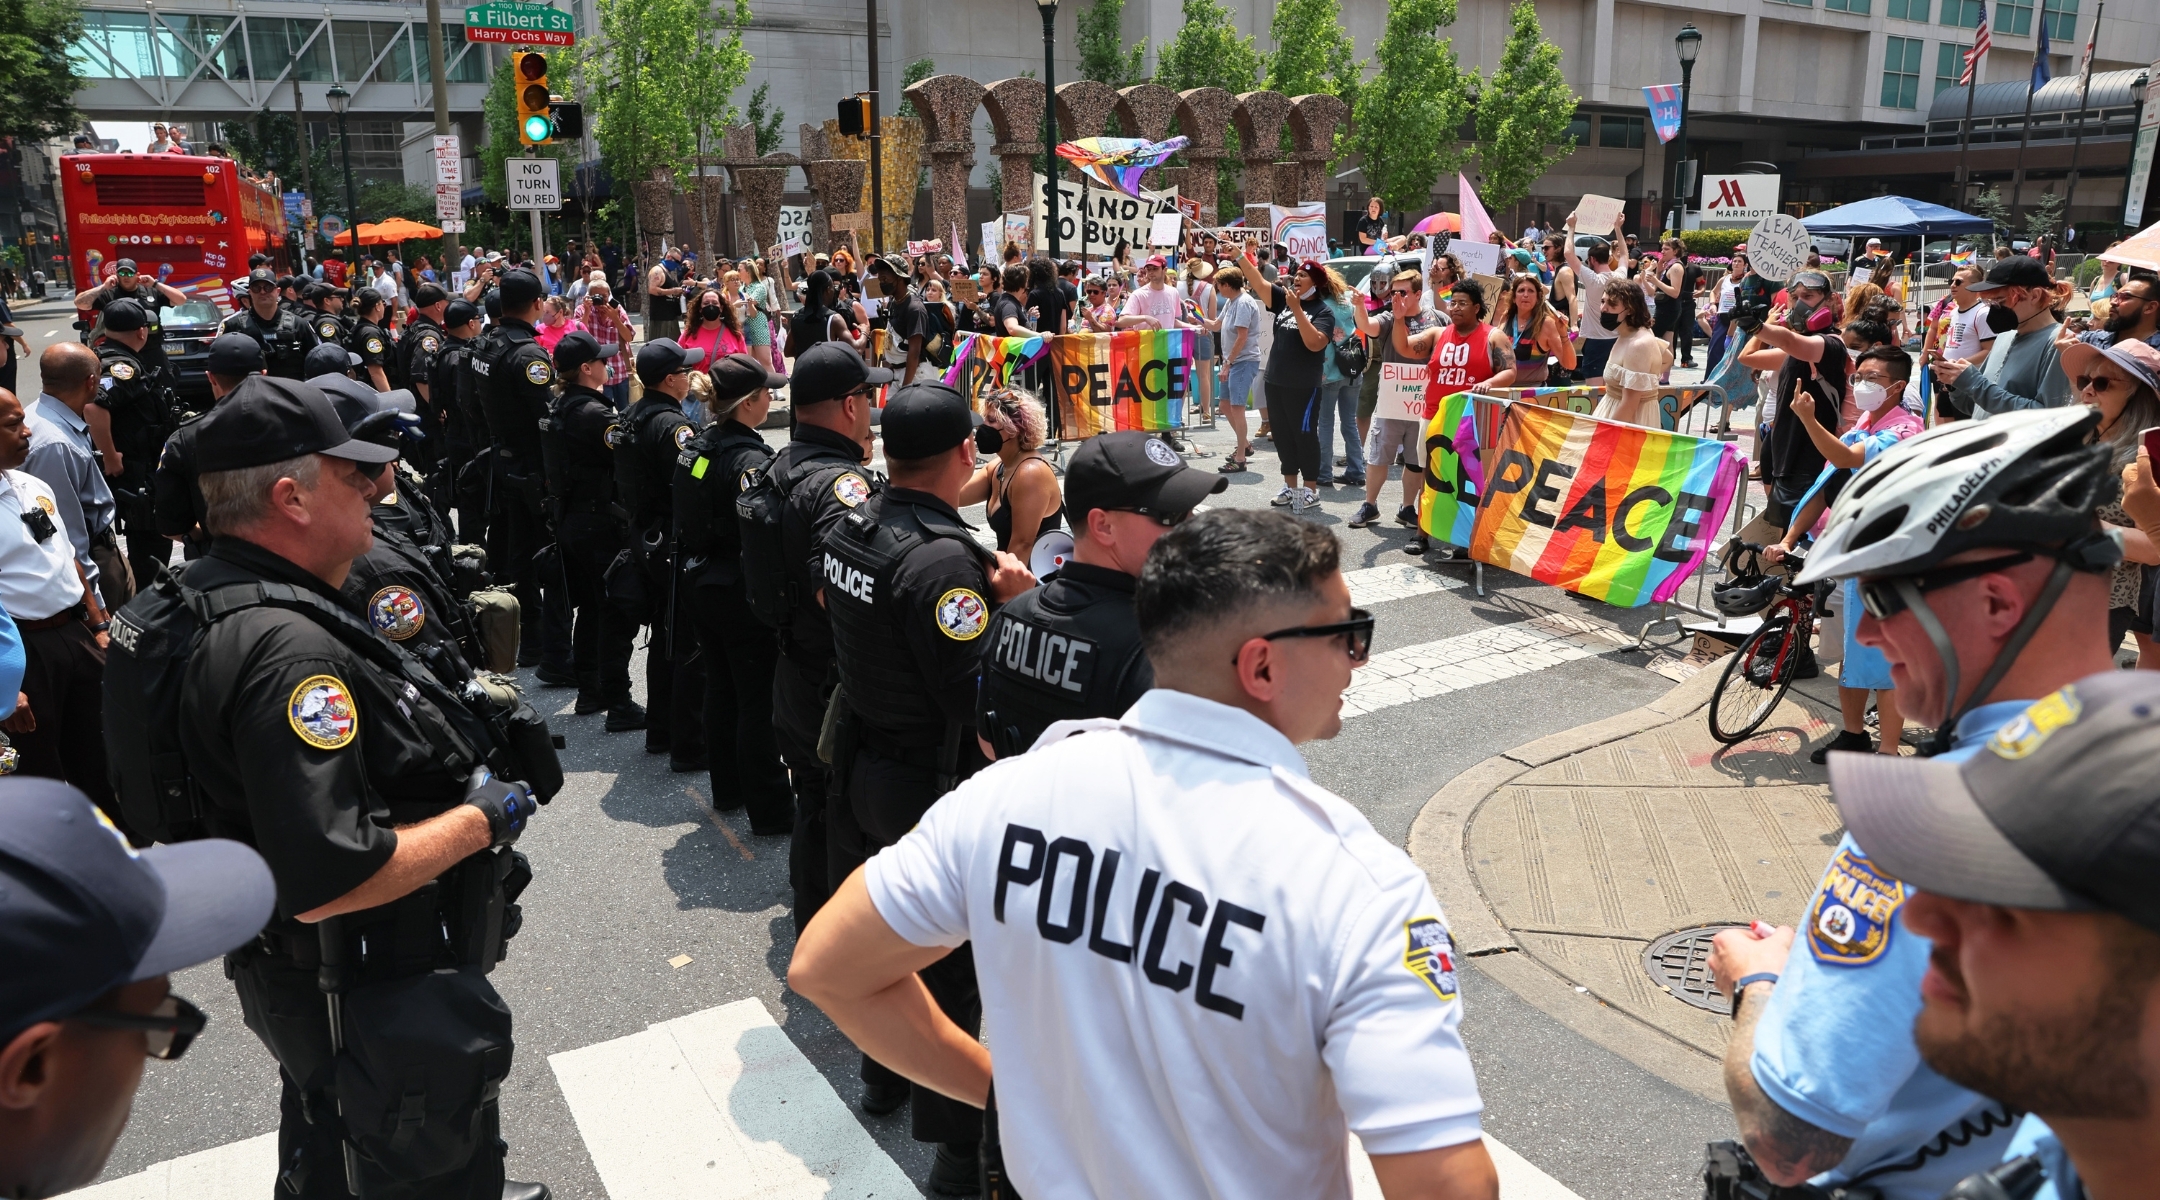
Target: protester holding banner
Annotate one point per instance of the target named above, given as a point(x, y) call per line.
point(1597, 341)
point(1800, 342)
point(1303, 327)
point(1466, 354)
point(1202, 304)
point(1637, 359)
point(1008, 309)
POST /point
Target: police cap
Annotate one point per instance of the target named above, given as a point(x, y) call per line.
point(235, 354)
point(328, 359)
point(1134, 471)
point(520, 289)
point(923, 420)
point(578, 348)
point(125, 316)
point(739, 376)
point(368, 414)
point(262, 277)
point(267, 420)
point(320, 290)
point(662, 357)
point(460, 312)
point(830, 370)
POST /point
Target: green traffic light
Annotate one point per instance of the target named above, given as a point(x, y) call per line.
point(539, 128)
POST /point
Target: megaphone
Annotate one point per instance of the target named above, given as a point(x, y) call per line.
point(1052, 551)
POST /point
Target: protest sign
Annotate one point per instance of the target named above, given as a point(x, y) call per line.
point(981, 362)
point(794, 229)
point(1134, 379)
point(1233, 236)
point(1612, 511)
point(964, 290)
point(1019, 231)
point(1598, 214)
point(921, 248)
point(1111, 216)
point(1302, 228)
point(854, 222)
point(1479, 258)
point(993, 240)
point(1402, 392)
point(1164, 232)
point(1777, 247)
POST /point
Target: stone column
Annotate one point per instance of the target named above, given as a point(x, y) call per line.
point(656, 213)
point(758, 189)
point(838, 185)
point(1314, 120)
point(810, 145)
point(946, 104)
point(1145, 110)
point(1016, 119)
point(1259, 120)
point(1202, 116)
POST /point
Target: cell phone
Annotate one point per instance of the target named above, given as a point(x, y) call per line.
point(2151, 438)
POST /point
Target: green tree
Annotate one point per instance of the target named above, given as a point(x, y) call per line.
point(1406, 116)
point(1523, 111)
point(765, 119)
point(38, 79)
point(2045, 217)
point(270, 143)
point(1313, 53)
point(1104, 57)
point(1990, 204)
point(914, 73)
point(1207, 52)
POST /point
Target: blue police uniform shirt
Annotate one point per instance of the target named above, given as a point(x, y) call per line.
point(2035, 1138)
point(1835, 1047)
point(14, 663)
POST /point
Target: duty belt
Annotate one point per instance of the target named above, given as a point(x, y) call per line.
point(887, 745)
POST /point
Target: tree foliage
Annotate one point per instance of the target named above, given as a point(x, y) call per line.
point(270, 144)
point(1990, 204)
point(1313, 52)
point(914, 73)
point(37, 78)
point(2044, 218)
point(1104, 57)
point(1207, 52)
point(1406, 116)
point(1523, 111)
point(766, 120)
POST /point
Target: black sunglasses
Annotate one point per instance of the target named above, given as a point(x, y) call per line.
point(1166, 520)
point(167, 1030)
point(1883, 599)
point(1355, 632)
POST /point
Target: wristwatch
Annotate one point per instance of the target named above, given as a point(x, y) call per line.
point(100, 626)
point(1740, 986)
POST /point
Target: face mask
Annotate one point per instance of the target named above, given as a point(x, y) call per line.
point(989, 439)
point(1869, 395)
point(1609, 320)
point(1306, 292)
point(2001, 318)
point(710, 312)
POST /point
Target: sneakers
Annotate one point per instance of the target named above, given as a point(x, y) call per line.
point(1306, 498)
point(1352, 481)
point(1406, 515)
point(881, 1098)
point(1416, 547)
point(1283, 499)
point(625, 717)
point(588, 704)
point(555, 677)
point(1341, 461)
point(1845, 740)
point(1366, 514)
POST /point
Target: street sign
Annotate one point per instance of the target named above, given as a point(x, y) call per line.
point(331, 224)
point(508, 22)
point(534, 184)
point(452, 226)
point(307, 206)
point(449, 161)
point(449, 202)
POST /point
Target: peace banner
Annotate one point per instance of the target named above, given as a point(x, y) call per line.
point(1136, 379)
point(1616, 512)
point(981, 363)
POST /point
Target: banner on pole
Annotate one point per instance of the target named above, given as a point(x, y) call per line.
point(981, 363)
point(1302, 228)
point(1616, 512)
point(1664, 100)
point(1111, 217)
point(1135, 379)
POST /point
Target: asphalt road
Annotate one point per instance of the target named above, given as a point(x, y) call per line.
point(633, 869)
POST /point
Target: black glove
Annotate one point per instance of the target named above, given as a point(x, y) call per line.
point(508, 805)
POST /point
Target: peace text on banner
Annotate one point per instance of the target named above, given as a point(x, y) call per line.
point(1136, 379)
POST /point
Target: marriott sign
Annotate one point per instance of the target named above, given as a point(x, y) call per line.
point(1738, 199)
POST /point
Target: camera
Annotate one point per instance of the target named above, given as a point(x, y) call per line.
point(1749, 315)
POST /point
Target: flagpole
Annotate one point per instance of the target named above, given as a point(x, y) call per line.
point(2084, 91)
point(2017, 179)
point(1972, 85)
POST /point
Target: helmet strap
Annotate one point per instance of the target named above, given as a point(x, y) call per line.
point(2058, 579)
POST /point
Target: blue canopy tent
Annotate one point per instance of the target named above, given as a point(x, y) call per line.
point(1894, 216)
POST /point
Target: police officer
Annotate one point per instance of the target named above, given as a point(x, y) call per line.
point(738, 653)
point(817, 478)
point(292, 293)
point(1071, 649)
point(390, 842)
point(152, 296)
point(325, 313)
point(589, 531)
point(910, 594)
point(463, 467)
point(369, 340)
point(178, 498)
point(414, 370)
point(518, 380)
point(135, 403)
point(648, 439)
point(285, 338)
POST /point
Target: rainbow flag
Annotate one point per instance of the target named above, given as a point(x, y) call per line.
point(1962, 258)
point(1454, 474)
point(1135, 379)
point(981, 362)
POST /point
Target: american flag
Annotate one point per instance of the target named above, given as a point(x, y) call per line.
point(1979, 48)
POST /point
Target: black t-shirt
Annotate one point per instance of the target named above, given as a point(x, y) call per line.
point(1289, 363)
point(904, 319)
point(1050, 305)
point(1791, 454)
point(1370, 227)
point(1002, 306)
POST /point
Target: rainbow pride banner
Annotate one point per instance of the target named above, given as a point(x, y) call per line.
point(980, 362)
point(1616, 512)
point(1134, 379)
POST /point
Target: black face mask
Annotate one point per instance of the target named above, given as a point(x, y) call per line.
point(2001, 318)
point(989, 439)
point(710, 312)
point(1609, 320)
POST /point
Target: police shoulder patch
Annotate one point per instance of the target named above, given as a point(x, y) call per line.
point(1429, 954)
point(327, 330)
point(122, 371)
point(430, 343)
point(538, 371)
point(1850, 921)
point(687, 459)
point(683, 434)
point(322, 712)
point(45, 502)
point(396, 613)
point(613, 437)
point(2027, 731)
point(374, 345)
point(962, 615)
point(850, 489)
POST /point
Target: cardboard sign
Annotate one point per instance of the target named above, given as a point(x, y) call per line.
point(854, 222)
point(1479, 258)
point(1402, 392)
point(1165, 230)
point(919, 249)
point(1777, 247)
point(964, 290)
point(1598, 214)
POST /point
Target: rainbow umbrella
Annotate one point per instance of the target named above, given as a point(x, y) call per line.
point(1439, 222)
point(1118, 162)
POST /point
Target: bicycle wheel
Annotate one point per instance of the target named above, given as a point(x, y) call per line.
point(1755, 680)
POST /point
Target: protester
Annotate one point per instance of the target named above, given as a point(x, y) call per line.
point(1799, 343)
point(754, 293)
point(1018, 488)
point(1203, 304)
point(1597, 341)
point(1339, 391)
point(2024, 367)
point(556, 321)
point(1009, 307)
point(2122, 382)
point(2133, 313)
point(1538, 335)
point(1636, 358)
point(1239, 326)
point(1303, 326)
point(1372, 229)
point(604, 318)
point(712, 326)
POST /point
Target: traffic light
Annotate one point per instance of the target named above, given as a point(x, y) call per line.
point(569, 120)
point(529, 76)
point(855, 116)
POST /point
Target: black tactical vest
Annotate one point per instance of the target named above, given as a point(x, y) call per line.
point(708, 473)
point(861, 555)
point(1067, 650)
point(579, 478)
point(644, 467)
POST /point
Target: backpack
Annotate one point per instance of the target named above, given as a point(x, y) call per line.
point(760, 510)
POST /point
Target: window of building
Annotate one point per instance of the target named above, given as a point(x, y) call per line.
point(1578, 131)
point(1797, 3)
point(2061, 17)
point(1962, 14)
point(1847, 6)
point(2013, 18)
point(1949, 65)
point(1620, 133)
point(1909, 10)
point(1901, 73)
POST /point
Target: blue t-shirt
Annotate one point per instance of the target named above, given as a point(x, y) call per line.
point(1835, 1045)
point(13, 662)
point(2035, 1138)
point(1345, 324)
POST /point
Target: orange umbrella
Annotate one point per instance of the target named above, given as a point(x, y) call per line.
point(396, 229)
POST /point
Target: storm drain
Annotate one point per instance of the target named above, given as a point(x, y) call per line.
point(1679, 962)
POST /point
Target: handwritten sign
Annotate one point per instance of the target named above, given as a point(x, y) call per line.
point(854, 222)
point(1598, 214)
point(1777, 247)
point(1402, 392)
point(794, 229)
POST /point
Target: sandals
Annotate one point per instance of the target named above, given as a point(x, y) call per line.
point(1232, 466)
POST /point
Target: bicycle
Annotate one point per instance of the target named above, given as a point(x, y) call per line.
point(1763, 669)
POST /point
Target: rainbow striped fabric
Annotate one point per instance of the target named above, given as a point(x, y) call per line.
point(1962, 258)
point(1616, 512)
point(981, 362)
point(1134, 379)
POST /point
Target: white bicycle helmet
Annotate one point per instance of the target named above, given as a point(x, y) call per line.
point(2027, 480)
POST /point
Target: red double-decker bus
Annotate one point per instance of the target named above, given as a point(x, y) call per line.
point(186, 220)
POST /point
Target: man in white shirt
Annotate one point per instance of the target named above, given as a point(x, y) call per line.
point(62, 455)
point(1258, 974)
point(1969, 337)
point(58, 725)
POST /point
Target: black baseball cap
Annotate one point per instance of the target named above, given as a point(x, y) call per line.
point(125, 266)
point(82, 912)
point(1137, 472)
point(235, 354)
point(262, 275)
point(320, 290)
point(460, 312)
point(830, 370)
point(739, 376)
point(578, 348)
point(520, 288)
point(125, 316)
point(267, 419)
point(2018, 270)
point(328, 359)
point(662, 357)
point(366, 413)
point(2060, 809)
point(926, 419)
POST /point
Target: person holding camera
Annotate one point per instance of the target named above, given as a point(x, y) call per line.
point(602, 314)
point(1800, 342)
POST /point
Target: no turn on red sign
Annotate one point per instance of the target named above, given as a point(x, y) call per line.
point(534, 184)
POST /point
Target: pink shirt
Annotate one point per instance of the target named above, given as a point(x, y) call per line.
point(547, 335)
point(1161, 303)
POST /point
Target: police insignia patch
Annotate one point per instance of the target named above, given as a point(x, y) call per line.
point(1160, 453)
point(327, 331)
point(430, 343)
point(1849, 923)
point(2026, 731)
point(374, 345)
point(962, 615)
point(122, 371)
point(613, 437)
point(322, 712)
point(1429, 953)
point(539, 372)
point(851, 489)
point(45, 502)
point(397, 613)
point(683, 434)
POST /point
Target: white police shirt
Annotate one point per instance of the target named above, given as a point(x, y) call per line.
point(37, 576)
point(1197, 966)
point(1835, 1043)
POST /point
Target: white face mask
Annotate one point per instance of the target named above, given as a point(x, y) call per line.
point(1869, 395)
point(1306, 292)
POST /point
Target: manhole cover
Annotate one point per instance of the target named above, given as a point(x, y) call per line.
point(1680, 963)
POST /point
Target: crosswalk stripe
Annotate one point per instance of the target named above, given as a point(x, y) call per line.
point(1428, 669)
point(236, 1169)
point(1395, 581)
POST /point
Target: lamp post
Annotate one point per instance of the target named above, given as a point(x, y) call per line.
point(1689, 43)
point(339, 98)
point(1049, 8)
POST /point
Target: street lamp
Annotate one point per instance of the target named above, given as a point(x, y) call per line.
point(339, 98)
point(1048, 9)
point(1689, 43)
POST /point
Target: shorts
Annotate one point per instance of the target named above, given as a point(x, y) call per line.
point(1393, 441)
point(662, 327)
point(1666, 317)
point(1595, 353)
point(1238, 380)
point(1203, 346)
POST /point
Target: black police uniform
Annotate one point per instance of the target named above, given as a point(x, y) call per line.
point(518, 386)
point(372, 344)
point(404, 595)
point(140, 398)
point(413, 366)
point(1064, 651)
point(331, 329)
point(285, 339)
point(649, 436)
point(737, 652)
point(153, 303)
point(305, 748)
point(907, 590)
point(589, 533)
point(464, 465)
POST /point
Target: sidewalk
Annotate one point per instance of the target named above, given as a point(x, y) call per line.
point(1587, 870)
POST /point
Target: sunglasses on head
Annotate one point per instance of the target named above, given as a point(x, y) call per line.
point(1355, 632)
point(167, 1029)
point(1885, 598)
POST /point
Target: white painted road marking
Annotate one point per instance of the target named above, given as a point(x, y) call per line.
point(1395, 581)
point(236, 1169)
point(1429, 669)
